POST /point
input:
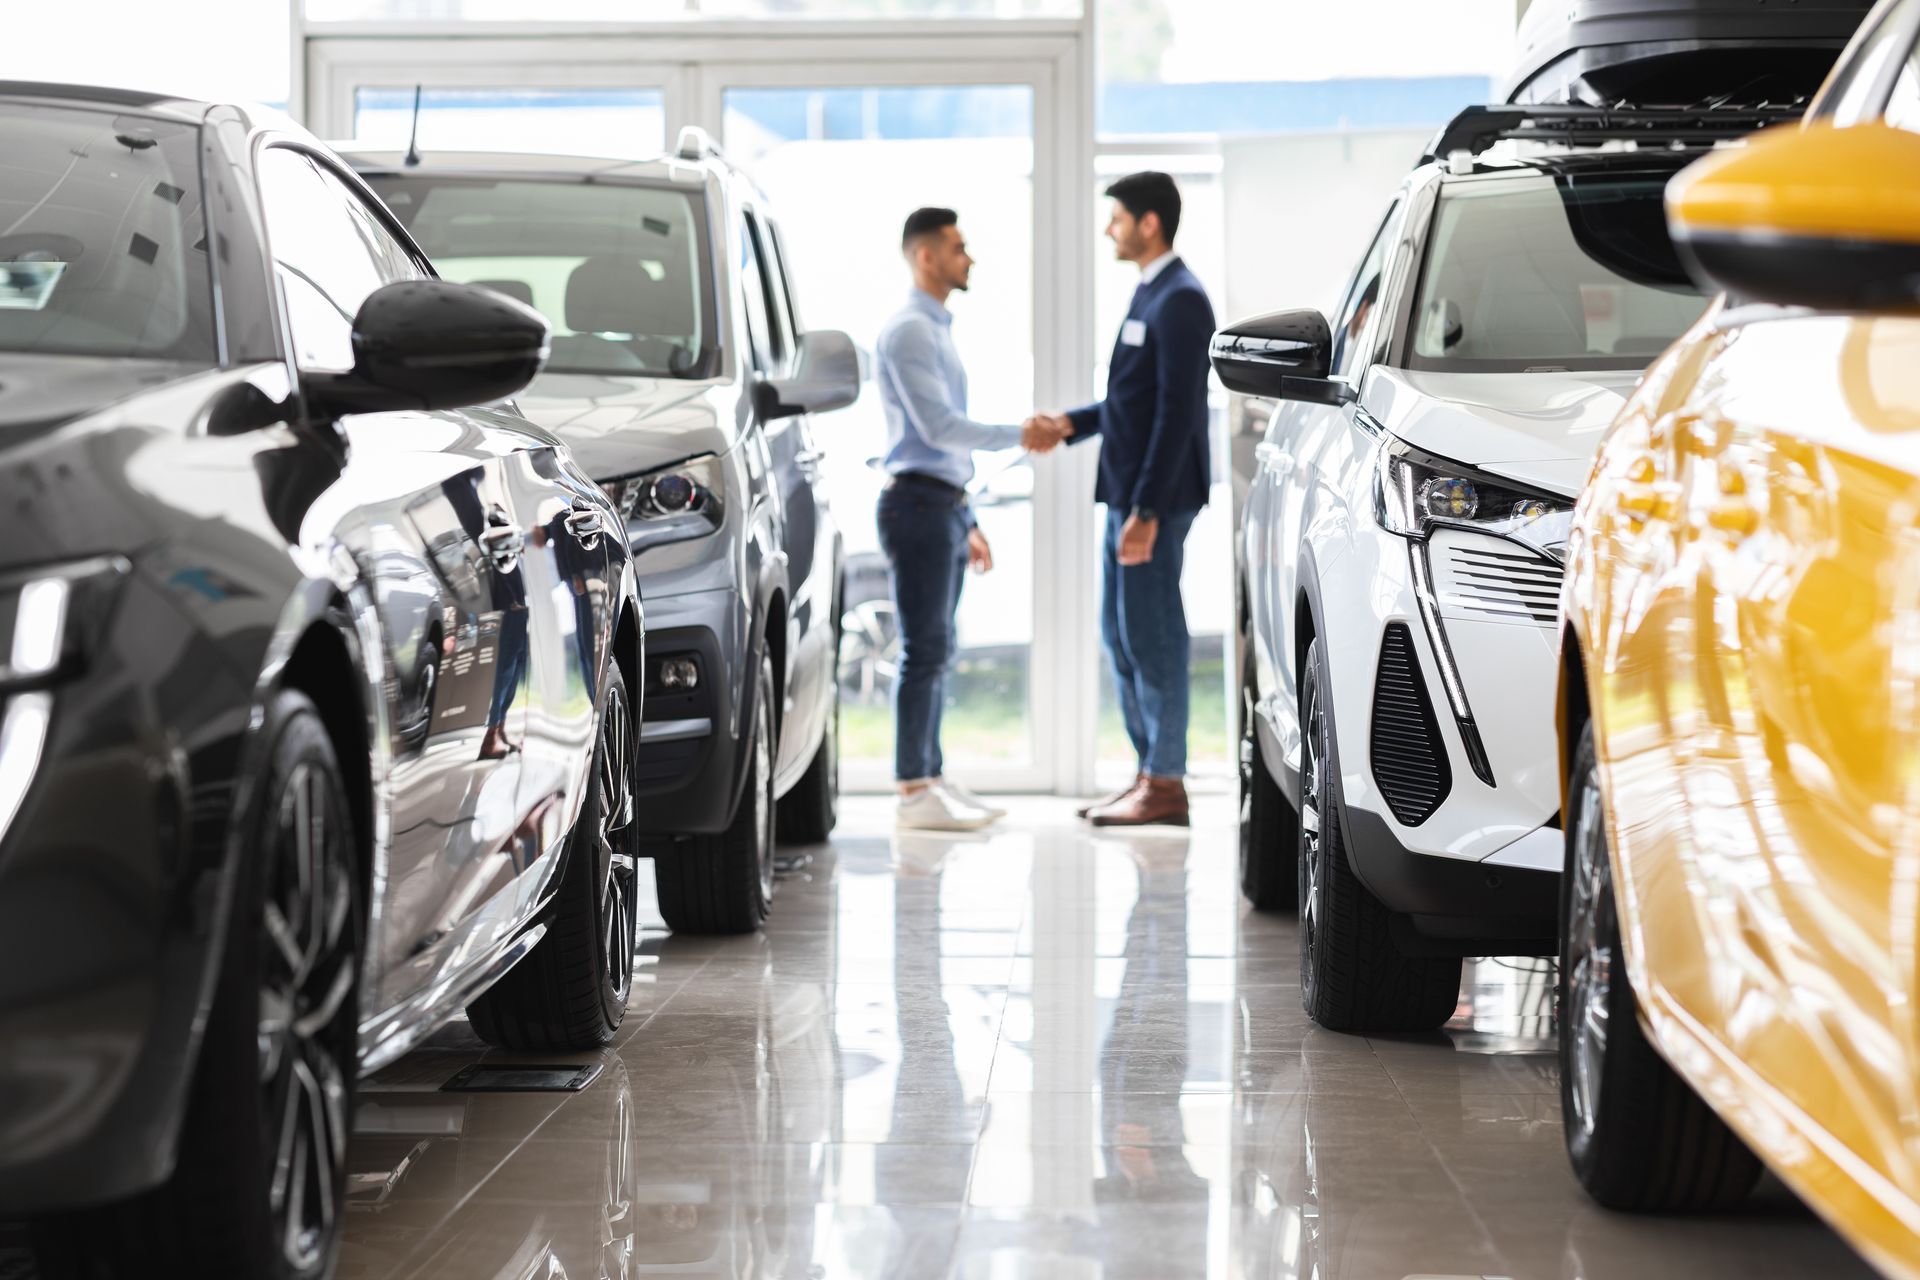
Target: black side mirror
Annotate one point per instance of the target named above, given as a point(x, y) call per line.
point(430, 344)
point(826, 376)
point(1285, 355)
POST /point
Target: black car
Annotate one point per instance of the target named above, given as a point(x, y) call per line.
point(320, 686)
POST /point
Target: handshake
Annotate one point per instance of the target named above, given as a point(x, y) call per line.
point(1045, 432)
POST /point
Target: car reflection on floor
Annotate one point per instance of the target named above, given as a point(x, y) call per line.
point(1043, 1052)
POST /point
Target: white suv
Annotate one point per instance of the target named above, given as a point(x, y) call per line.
point(1403, 538)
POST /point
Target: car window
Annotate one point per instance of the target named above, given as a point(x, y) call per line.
point(780, 332)
point(753, 294)
point(783, 271)
point(1853, 93)
point(1362, 301)
point(102, 235)
point(330, 250)
point(1550, 273)
point(619, 269)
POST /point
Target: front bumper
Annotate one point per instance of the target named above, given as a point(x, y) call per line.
point(111, 910)
point(1444, 735)
point(688, 768)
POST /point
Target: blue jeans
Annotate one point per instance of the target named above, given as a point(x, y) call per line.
point(1143, 623)
point(924, 536)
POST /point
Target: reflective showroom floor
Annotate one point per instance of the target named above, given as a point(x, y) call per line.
point(1047, 1053)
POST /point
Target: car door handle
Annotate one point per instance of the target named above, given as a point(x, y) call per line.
point(502, 540)
point(1273, 457)
point(585, 523)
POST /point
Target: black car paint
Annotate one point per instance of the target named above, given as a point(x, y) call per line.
point(236, 531)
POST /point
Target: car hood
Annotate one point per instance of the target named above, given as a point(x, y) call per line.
point(1537, 428)
point(39, 393)
point(617, 426)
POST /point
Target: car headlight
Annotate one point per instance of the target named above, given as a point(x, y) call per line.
point(674, 504)
point(1415, 493)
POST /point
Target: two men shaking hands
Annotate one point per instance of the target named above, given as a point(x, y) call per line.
point(1155, 469)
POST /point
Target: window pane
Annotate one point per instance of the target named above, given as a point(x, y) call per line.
point(583, 122)
point(102, 237)
point(1170, 67)
point(883, 153)
point(1534, 273)
point(617, 268)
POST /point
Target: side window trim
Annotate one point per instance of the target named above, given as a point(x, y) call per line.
point(1375, 257)
point(779, 336)
point(1898, 28)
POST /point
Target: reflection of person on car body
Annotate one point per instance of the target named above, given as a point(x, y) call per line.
point(1154, 472)
point(927, 529)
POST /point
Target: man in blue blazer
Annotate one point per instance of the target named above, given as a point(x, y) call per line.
point(1155, 467)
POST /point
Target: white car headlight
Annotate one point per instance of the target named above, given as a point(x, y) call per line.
point(1415, 493)
point(673, 504)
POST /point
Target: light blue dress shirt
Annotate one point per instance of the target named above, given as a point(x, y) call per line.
point(924, 390)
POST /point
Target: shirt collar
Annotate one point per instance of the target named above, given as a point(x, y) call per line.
point(1153, 270)
point(928, 305)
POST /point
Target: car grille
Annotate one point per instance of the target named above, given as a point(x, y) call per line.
point(1409, 760)
point(1508, 582)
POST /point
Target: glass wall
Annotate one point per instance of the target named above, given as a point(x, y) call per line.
point(882, 152)
point(593, 122)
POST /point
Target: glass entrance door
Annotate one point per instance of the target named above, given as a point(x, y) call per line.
point(844, 163)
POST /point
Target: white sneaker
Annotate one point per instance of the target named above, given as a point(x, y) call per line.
point(969, 799)
point(934, 809)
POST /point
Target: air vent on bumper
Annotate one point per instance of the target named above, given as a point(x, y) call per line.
point(1409, 759)
point(1494, 580)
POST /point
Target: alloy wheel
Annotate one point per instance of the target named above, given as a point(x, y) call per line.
point(1312, 773)
point(619, 859)
point(1590, 951)
point(763, 792)
point(306, 1025)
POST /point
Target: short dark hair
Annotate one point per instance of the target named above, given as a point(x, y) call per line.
point(1150, 192)
point(926, 222)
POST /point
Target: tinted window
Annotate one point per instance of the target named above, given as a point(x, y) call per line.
point(102, 237)
point(1550, 273)
point(618, 270)
point(753, 293)
point(1362, 302)
point(330, 251)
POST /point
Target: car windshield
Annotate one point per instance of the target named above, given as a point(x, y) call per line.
point(102, 238)
point(619, 270)
point(1542, 272)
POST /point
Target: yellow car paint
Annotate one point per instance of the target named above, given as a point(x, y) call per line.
point(1813, 182)
point(1743, 590)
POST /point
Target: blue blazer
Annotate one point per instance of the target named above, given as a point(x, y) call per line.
point(1154, 419)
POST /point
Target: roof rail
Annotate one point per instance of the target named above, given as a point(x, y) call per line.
point(1476, 129)
point(696, 144)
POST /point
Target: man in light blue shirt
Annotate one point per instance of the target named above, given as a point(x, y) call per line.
point(926, 528)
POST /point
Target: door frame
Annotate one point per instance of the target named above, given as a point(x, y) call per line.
point(693, 64)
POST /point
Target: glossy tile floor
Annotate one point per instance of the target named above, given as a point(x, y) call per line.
point(1046, 1053)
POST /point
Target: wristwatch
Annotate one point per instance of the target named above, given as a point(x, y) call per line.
point(1146, 515)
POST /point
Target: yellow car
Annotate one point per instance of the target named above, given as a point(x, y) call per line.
point(1740, 696)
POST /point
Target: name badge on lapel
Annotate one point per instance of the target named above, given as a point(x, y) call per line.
point(1133, 333)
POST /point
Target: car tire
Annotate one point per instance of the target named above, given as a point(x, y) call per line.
point(570, 992)
point(723, 884)
point(1269, 826)
point(1352, 975)
point(282, 1035)
point(1638, 1136)
point(808, 813)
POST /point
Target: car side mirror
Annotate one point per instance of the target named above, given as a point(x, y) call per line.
point(827, 374)
point(1285, 355)
point(1815, 217)
point(431, 344)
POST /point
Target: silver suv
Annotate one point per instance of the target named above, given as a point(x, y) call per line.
point(684, 383)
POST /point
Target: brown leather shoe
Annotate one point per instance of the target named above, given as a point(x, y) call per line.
point(1086, 810)
point(1154, 802)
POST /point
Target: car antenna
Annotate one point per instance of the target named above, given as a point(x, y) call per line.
point(413, 143)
